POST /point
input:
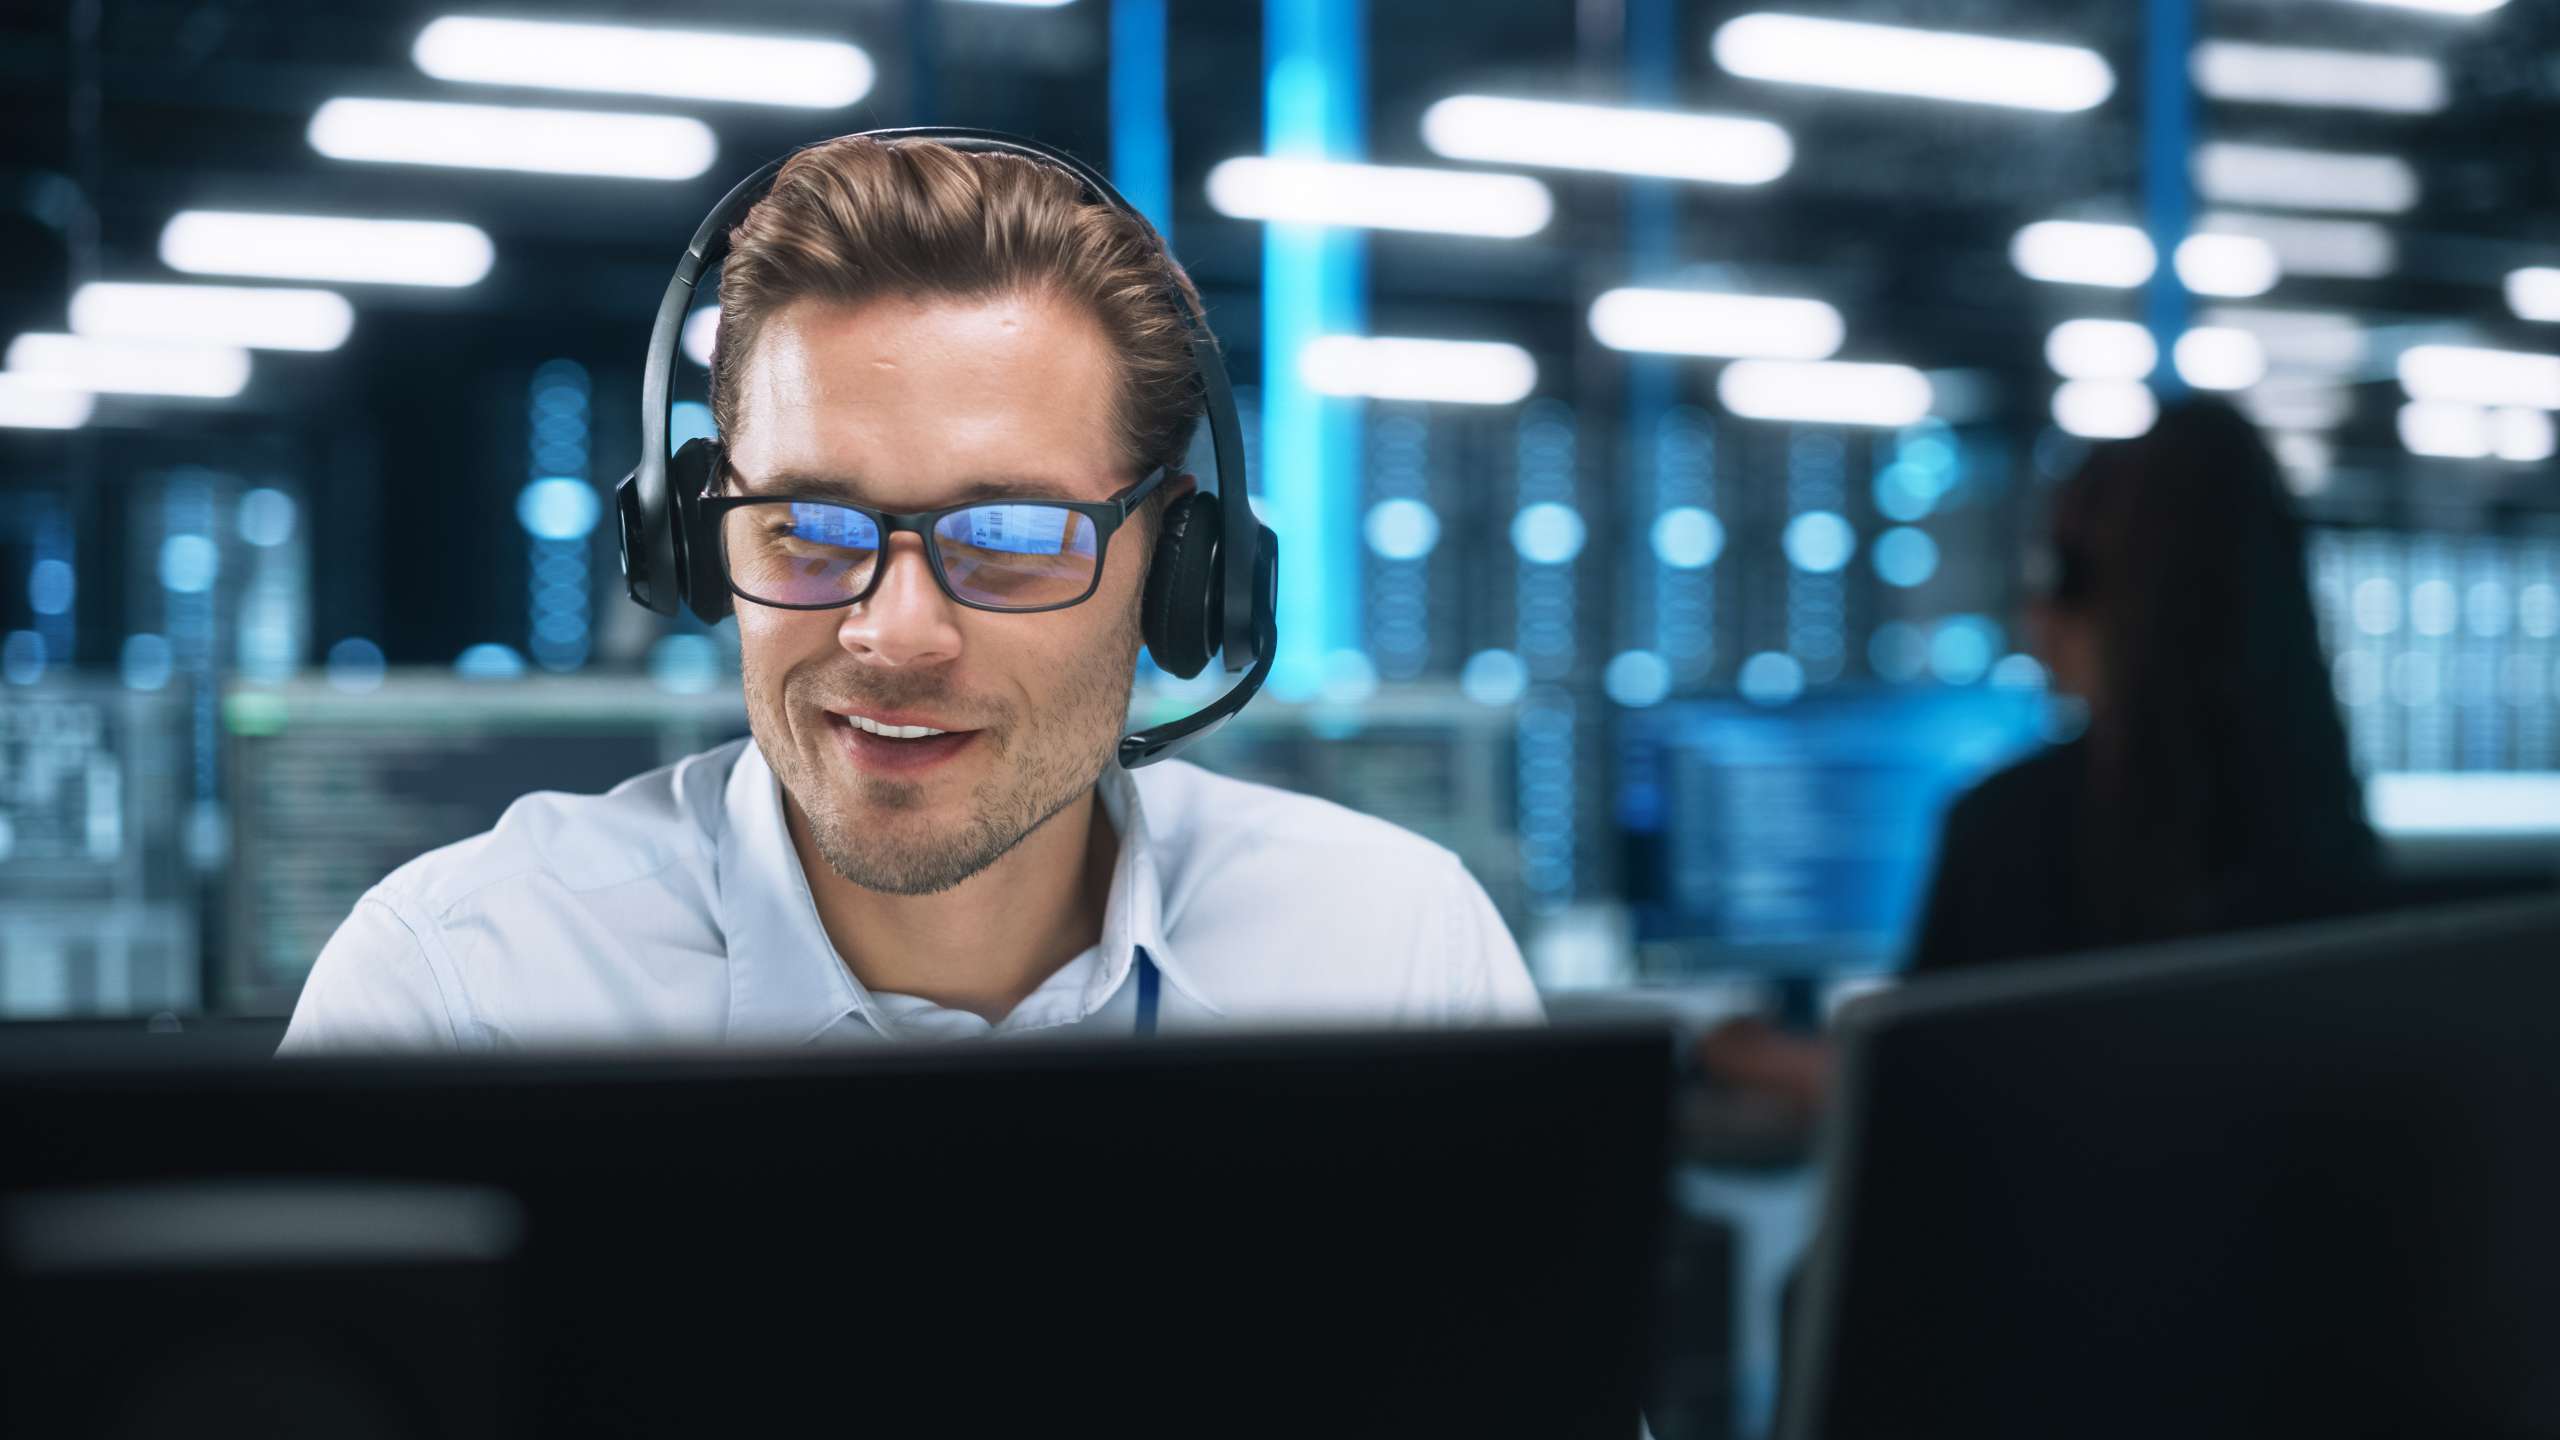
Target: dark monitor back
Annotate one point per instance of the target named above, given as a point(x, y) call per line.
point(1419, 1234)
point(2304, 1183)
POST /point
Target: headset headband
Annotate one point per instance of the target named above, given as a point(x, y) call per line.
point(1249, 610)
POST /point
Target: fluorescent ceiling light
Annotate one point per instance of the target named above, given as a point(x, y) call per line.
point(2104, 409)
point(1700, 322)
point(2076, 252)
point(2454, 431)
point(1926, 64)
point(2231, 266)
point(2474, 376)
point(701, 334)
point(1825, 392)
point(509, 137)
point(27, 404)
point(264, 319)
point(2217, 357)
point(321, 247)
point(2328, 342)
point(2293, 75)
point(1723, 149)
point(1380, 197)
point(127, 367)
point(2520, 435)
point(2101, 350)
point(2445, 429)
point(1463, 372)
point(2534, 293)
point(631, 60)
point(2443, 7)
point(2330, 249)
point(2295, 179)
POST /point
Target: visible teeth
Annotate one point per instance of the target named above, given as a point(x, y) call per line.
point(894, 732)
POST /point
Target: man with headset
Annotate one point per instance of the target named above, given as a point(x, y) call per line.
point(955, 384)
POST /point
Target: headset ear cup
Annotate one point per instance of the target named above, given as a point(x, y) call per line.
point(1178, 615)
point(705, 585)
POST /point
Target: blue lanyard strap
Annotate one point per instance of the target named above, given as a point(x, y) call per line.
point(1148, 983)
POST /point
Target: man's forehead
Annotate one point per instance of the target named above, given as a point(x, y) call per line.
point(904, 404)
point(853, 487)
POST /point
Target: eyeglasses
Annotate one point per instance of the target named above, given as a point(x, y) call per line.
point(1015, 556)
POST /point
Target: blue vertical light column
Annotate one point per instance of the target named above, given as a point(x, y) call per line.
point(1141, 131)
point(190, 578)
point(2168, 179)
point(1547, 532)
point(1313, 283)
point(558, 509)
point(53, 589)
point(1653, 79)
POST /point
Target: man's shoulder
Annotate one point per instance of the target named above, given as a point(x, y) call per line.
point(578, 843)
point(1202, 820)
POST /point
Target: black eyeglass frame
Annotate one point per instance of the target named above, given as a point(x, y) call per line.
point(1106, 516)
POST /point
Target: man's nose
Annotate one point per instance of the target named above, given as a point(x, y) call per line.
point(908, 621)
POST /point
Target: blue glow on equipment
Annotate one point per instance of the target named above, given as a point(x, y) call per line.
point(1906, 492)
point(1960, 651)
point(1637, 678)
point(1547, 533)
point(267, 518)
point(558, 508)
point(189, 563)
point(22, 657)
point(1403, 529)
point(489, 661)
point(355, 665)
point(1688, 538)
point(1494, 677)
point(146, 662)
point(1771, 677)
point(50, 586)
point(1905, 557)
point(1820, 542)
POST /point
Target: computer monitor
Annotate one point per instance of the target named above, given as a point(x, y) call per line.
point(2296, 1183)
point(1798, 838)
point(100, 901)
point(1306, 1235)
point(331, 790)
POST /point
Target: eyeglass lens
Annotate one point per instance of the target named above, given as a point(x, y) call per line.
point(1006, 557)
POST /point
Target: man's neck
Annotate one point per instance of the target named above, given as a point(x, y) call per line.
point(985, 944)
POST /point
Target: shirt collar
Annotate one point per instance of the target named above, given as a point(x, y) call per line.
point(786, 983)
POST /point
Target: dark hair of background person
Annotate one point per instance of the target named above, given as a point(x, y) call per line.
point(2212, 789)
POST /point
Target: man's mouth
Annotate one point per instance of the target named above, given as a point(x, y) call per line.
point(903, 745)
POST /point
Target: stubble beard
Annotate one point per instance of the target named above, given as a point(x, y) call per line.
point(1038, 769)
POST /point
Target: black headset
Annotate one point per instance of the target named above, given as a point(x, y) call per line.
point(1199, 601)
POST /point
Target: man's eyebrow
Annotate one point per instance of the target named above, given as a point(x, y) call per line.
point(850, 489)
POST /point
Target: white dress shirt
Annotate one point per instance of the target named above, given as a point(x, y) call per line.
point(673, 911)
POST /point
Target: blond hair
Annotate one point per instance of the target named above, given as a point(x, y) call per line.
point(859, 218)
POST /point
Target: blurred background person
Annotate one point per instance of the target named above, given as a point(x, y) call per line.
point(2211, 789)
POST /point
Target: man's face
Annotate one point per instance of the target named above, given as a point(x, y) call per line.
point(905, 405)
